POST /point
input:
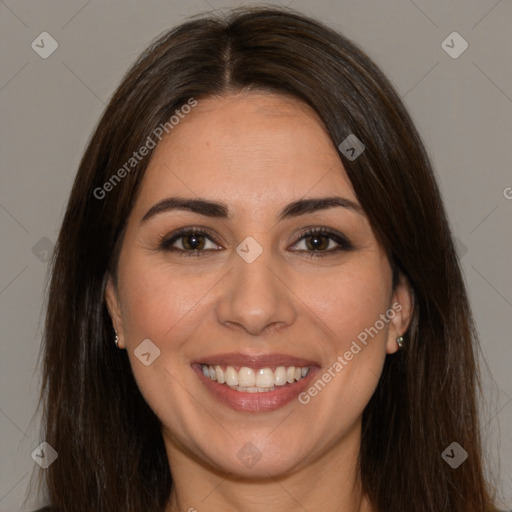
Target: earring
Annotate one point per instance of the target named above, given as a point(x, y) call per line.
point(116, 341)
point(400, 341)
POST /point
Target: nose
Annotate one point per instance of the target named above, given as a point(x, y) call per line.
point(256, 296)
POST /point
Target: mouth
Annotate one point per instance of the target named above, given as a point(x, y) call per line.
point(255, 383)
point(251, 380)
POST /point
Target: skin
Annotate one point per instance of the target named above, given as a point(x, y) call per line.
point(256, 153)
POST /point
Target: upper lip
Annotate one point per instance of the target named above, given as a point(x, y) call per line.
point(255, 361)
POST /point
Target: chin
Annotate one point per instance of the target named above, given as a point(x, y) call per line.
point(256, 460)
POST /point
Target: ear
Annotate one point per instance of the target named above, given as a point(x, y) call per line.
point(402, 303)
point(114, 309)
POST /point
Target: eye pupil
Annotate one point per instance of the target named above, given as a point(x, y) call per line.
point(317, 242)
point(193, 241)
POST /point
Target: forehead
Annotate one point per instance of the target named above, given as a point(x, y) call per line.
point(245, 146)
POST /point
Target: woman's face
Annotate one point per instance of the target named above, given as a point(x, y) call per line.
point(248, 291)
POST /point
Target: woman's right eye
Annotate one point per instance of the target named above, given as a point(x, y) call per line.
point(189, 242)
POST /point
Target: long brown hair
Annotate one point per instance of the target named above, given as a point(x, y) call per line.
point(111, 455)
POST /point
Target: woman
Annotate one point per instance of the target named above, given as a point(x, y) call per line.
point(256, 302)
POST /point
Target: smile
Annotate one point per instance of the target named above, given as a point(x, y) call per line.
point(254, 380)
point(252, 383)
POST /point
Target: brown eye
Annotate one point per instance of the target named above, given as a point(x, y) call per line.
point(317, 242)
point(323, 242)
point(189, 240)
point(193, 241)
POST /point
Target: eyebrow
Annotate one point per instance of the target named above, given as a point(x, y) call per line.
point(219, 210)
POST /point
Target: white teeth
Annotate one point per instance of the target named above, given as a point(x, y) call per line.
point(280, 376)
point(255, 381)
point(220, 375)
point(265, 378)
point(231, 375)
point(246, 377)
point(252, 390)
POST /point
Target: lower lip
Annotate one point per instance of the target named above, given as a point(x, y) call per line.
point(255, 402)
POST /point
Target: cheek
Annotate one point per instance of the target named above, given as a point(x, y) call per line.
point(351, 299)
point(159, 304)
point(353, 310)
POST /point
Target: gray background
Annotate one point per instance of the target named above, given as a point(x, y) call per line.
point(49, 107)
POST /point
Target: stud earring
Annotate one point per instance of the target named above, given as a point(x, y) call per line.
point(116, 341)
point(400, 341)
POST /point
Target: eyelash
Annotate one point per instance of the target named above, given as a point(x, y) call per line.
point(165, 244)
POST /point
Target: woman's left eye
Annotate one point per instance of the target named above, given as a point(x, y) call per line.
point(322, 242)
